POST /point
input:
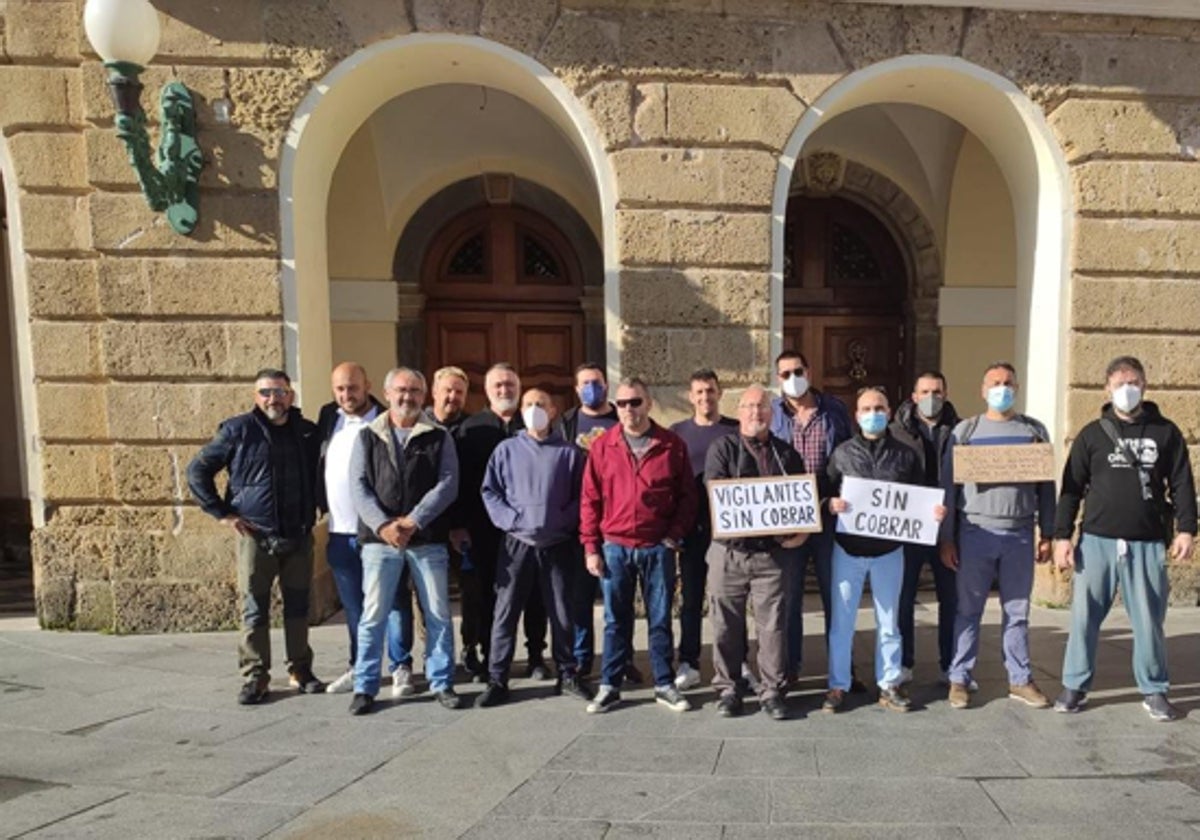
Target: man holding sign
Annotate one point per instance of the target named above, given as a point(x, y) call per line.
point(990, 536)
point(774, 517)
point(869, 543)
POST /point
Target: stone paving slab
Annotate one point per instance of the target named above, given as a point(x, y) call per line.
point(883, 801)
point(303, 781)
point(915, 757)
point(1084, 803)
point(147, 815)
point(632, 754)
point(26, 806)
point(767, 757)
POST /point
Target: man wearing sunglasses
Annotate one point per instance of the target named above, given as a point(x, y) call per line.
point(637, 504)
point(271, 455)
point(814, 424)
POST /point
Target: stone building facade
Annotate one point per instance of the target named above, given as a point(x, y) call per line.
point(661, 184)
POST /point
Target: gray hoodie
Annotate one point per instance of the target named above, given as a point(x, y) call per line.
point(531, 488)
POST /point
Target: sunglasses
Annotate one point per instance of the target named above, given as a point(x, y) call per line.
point(266, 393)
point(788, 374)
point(632, 402)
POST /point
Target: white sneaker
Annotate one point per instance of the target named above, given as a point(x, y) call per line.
point(750, 678)
point(972, 686)
point(686, 677)
point(402, 682)
point(905, 676)
point(342, 685)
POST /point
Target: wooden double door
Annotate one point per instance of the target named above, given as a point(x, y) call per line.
point(845, 285)
point(503, 284)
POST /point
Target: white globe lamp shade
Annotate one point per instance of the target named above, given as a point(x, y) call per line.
point(122, 30)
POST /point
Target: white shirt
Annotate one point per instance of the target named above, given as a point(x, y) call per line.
point(342, 517)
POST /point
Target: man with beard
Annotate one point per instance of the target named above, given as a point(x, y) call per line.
point(403, 478)
point(270, 501)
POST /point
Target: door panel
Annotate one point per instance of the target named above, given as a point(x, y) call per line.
point(545, 347)
point(470, 340)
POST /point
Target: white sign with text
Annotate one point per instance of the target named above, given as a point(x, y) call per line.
point(890, 511)
point(761, 507)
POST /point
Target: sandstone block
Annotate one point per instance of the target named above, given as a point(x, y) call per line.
point(868, 33)
point(1171, 360)
point(710, 6)
point(522, 27)
point(675, 237)
point(1141, 304)
point(695, 176)
point(55, 602)
point(1051, 588)
point(42, 31)
point(1184, 582)
point(1044, 65)
point(94, 606)
point(76, 472)
point(695, 297)
point(205, 83)
point(1141, 188)
point(1142, 66)
point(806, 55)
point(447, 15)
point(231, 159)
point(691, 44)
point(144, 411)
point(209, 31)
point(645, 352)
point(136, 556)
point(730, 351)
point(241, 223)
point(65, 349)
point(147, 474)
point(177, 286)
point(266, 97)
point(54, 223)
point(38, 96)
point(611, 107)
point(62, 288)
point(201, 556)
point(84, 553)
point(932, 31)
point(42, 160)
point(1180, 407)
point(143, 606)
point(650, 112)
point(1089, 127)
point(71, 411)
point(367, 21)
point(580, 49)
point(1137, 245)
point(731, 114)
point(237, 349)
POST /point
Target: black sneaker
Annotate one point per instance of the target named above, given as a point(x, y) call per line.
point(606, 698)
point(473, 666)
point(774, 707)
point(669, 696)
point(536, 670)
point(448, 698)
point(894, 699)
point(362, 704)
point(632, 675)
point(1160, 708)
point(495, 694)
point(254, 691)
point(571, 684)
point(729, 705)
point(303, 681)
point(1070, 701)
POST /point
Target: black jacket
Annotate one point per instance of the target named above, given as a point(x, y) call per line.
point(906, 428)
point(730, 457)
point(242, 446)
point(1100, 476)
point(478, 437)
point(885, 459)
point(327, 419)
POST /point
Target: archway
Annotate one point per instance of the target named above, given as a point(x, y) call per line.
point(334, 110)
point(1014, 131)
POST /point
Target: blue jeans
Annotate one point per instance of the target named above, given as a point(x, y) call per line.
point(944, 581)
point(382, 567)
point(819, 548)
point(655, 567)
point(1141, 572)
point(849, 573)
point(346, 566)
point(984, 556)
point(693, 571)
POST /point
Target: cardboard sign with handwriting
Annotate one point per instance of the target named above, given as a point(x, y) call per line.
point(762, 507)
point(1004, 464)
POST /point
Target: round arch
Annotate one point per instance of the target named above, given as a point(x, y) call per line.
point(334, 109)
point(1014, 130)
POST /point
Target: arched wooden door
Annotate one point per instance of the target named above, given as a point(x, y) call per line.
point(844, 291)
point(502, 284)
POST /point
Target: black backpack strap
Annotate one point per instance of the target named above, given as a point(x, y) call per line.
point(969, 432)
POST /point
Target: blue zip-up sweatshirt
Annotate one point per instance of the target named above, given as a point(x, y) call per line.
point(531, 488)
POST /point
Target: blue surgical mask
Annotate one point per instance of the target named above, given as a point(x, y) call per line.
point(872, 423)
point(593, 394)
point(1000, 398)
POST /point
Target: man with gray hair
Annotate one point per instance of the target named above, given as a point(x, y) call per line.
point(403, 478)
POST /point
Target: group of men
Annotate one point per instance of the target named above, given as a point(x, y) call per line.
point(539, 510)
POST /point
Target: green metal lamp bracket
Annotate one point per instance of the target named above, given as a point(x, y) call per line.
point(170, 175)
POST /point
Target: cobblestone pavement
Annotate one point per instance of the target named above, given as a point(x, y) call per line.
point(139, 736)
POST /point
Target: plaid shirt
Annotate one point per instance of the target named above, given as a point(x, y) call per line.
point(809, 441)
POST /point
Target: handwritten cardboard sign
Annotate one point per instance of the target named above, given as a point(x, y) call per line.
point(890, 511)
point(763, 507)
point(1004, 463)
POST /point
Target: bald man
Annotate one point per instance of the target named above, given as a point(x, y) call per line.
point(340, 421)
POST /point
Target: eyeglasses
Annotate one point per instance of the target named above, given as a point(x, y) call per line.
point(788, 374)
point(267, 393)
point(632, 402)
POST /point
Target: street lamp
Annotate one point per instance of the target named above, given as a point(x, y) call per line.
point(125, 34)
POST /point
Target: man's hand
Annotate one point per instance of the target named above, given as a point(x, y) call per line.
point(238, 524)
point(595, 565)
point(394, 534)
point(1064, 555)
point(1043, 551)
point(670, 544)
point(407, 523)
point(949, 554)
point(1181, 547)
point(838, 505)
point(459, 537)
point(939, 513)
point(793, 541)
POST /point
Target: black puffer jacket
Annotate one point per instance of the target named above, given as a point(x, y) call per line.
point(906, 427)
point(730, 457)
point(242, 446)
point(885, 459)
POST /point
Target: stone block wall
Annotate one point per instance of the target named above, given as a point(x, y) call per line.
point(142, 340)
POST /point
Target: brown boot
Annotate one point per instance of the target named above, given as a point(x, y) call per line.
point(959, 697)
point(1029, 694)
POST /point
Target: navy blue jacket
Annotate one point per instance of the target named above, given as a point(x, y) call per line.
point(242, 446)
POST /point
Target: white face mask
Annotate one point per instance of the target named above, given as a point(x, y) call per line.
point(535, 417)
point(795, 386)
point(1126, 398)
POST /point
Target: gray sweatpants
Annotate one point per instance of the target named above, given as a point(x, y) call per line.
point(735, 577)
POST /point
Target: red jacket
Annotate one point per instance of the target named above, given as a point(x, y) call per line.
point(636, 503)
